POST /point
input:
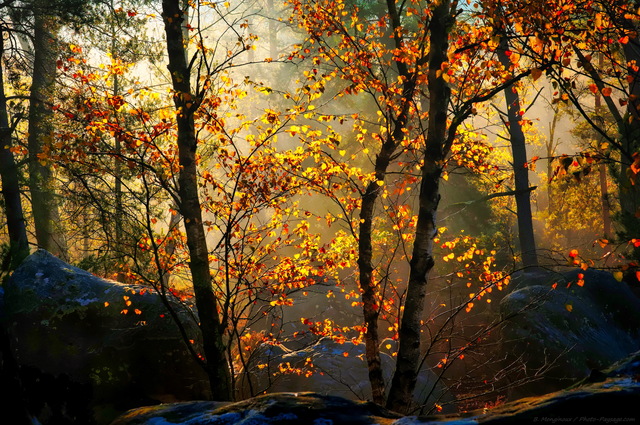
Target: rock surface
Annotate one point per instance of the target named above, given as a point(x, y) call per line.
point(330, 368)
point(572, 329)
point(614, 399)
point(89, 349)
point(278, 408)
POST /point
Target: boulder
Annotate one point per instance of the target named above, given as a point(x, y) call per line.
point(329, 368)
point(613, 399)
point(89, 348)
point(280, 408)
point(567, 332)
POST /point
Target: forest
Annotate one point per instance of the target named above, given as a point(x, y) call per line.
point(382, 174)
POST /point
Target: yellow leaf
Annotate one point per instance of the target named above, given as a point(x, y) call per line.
point(569, 307)
point(618, 276)
point(380, 183)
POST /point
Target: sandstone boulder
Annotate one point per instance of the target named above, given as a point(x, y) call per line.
point(571, 330)
point(280, 408)
point(613, 399)
point(89, 348)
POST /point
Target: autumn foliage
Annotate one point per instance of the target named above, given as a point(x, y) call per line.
point(235, 179)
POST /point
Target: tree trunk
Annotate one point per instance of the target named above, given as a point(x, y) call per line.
point(629, 181)
point(118, 207)
point(629, 130)
point(14, 399)
point(602, 173)
point(371, 305)
point(189, 204)
point(367, 281)
point(409, 351)
point(520, 171)
point(46, 216)
point(16, 225)
point(551, 151)
point(273, 33)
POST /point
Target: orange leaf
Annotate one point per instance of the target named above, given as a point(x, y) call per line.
point(635, 166)
point(593, 88)
point(606, 91)
point(536, 73)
